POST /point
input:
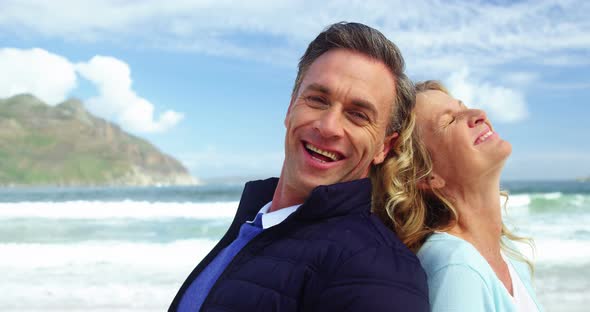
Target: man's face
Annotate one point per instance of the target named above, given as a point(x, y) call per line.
point(337, 120)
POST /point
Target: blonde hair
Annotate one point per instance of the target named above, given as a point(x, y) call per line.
point(414, 213)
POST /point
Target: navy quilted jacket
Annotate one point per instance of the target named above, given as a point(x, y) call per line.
point(331, 254)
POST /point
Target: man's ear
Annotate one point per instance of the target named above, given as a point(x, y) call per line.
point(388, 145)
point(432, 181)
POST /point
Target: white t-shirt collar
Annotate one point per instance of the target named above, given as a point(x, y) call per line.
point(521, 297)
point(270, 219)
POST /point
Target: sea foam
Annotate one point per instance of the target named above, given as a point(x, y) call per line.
point(122, 209)
point(138, 256)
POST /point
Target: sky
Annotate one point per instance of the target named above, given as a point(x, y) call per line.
point(209, 82)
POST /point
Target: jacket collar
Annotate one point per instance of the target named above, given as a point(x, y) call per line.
point(325, 201)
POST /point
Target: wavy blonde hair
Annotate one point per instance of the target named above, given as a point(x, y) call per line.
point(414, 213)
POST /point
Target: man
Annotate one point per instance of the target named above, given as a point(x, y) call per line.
point(308, 241)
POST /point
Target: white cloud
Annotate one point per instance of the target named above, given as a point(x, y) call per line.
point(474, 32)
point(501, 103)
point(52, 78)
point(48, 76)
point(436, 37)
point(117, 99)
point(522, 79)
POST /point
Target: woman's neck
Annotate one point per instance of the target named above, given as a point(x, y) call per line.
point(480, 223)
point(480, 216)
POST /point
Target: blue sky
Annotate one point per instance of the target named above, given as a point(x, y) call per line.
point(209, 81)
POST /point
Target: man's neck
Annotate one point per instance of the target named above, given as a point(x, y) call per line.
point(285, 196)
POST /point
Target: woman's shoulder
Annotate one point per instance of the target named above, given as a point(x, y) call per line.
point(442, 250)
point(457, 278)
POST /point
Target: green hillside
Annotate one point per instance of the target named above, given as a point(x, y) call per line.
point(66, 145)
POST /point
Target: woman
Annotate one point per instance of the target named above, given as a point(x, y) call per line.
point(444, 204)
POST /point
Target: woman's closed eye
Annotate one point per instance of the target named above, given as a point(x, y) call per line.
point(452, 119)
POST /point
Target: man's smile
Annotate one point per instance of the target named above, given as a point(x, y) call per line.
point(322, 155)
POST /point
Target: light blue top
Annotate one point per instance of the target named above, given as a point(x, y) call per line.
point(460, 279)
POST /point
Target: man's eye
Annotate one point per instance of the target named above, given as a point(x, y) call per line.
point(316, 100)
point(358, 117)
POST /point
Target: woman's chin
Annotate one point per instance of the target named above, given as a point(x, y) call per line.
point(506, 149)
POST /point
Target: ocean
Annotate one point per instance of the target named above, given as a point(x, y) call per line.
point(129, 249)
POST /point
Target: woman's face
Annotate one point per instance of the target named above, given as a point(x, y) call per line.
point(461, 141)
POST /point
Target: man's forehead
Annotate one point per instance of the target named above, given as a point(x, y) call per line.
point(338, 58)
point(335, 78)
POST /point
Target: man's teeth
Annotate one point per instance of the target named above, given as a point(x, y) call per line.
point(485, 136)
point(330, 155)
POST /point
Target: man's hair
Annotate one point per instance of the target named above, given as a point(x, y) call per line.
point(372, 43)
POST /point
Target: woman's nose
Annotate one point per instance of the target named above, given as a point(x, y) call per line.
point(476, 117)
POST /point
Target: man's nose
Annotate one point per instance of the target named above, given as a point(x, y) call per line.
point(330, 123)
point(476, 117)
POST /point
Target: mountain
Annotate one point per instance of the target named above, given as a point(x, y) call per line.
point(65, 145)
